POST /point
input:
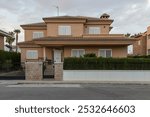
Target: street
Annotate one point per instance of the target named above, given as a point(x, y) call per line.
point(74, 92)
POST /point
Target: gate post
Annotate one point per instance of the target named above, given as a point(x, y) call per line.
point(58, 71)
point(34, 70)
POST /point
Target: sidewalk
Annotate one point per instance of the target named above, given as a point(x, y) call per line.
point(9, 82)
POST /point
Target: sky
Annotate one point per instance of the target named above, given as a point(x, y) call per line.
point(130, 16)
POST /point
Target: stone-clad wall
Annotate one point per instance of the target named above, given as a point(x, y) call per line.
point(34, 70)
point(58, 71)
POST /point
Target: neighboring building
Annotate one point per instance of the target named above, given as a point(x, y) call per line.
point(142, 47)
point(2, 35)
point(72, 36)
point(14, 48)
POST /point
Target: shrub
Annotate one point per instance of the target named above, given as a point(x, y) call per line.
point(9, 60)
point(88, 63)
point(148, 56)
point(90, 55)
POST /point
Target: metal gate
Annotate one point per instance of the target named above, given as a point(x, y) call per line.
point(48, 69)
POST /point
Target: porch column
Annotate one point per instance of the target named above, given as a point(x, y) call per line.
point(44, 53)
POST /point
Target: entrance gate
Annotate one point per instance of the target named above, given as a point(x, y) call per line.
point(48, 69)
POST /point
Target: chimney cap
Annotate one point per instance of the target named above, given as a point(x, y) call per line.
point(105, 15)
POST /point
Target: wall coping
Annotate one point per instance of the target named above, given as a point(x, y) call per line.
point(110, 70)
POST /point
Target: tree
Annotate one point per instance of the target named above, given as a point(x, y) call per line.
point(17, 31)
point(10, 39)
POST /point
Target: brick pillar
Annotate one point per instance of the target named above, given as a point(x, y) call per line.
point(58, 71)
point(34, 70)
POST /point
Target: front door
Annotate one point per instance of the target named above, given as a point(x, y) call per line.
point(57, 56)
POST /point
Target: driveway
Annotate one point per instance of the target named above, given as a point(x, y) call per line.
point(74, 91)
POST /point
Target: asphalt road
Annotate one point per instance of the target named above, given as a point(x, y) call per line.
point(74, 92)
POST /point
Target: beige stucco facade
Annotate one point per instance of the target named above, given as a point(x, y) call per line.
point(29, 33)
point(24, 56)
point(76, 31)
point(117, 52)
point(80, 38)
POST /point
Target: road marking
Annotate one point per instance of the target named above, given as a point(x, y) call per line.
point(47, 85)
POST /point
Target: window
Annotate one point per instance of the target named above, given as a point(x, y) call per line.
point(77, 52)
point(105, 53)
point(38, 35)
point(94, 30)
point(148, 51)
point(139, 42)
point(64, 30)
point(32, 54)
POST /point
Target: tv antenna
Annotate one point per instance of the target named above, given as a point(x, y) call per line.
point(57, 7)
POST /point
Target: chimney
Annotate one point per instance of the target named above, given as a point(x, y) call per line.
point(104, 16)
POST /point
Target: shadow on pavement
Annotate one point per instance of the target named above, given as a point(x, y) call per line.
point(14, 75)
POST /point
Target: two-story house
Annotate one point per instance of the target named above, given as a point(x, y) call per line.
point(72, 36)
point(142, 47)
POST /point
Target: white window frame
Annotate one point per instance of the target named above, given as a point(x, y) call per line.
point(99, 54)
point(32, 51)
point(94, 30)
point(37, 34)
point(78, 52)
point(64, 30)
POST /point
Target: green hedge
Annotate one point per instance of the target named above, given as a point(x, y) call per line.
point(9, 60)
point(148, 56)
point(89, 63)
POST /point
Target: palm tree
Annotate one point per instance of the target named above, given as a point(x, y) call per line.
point(10, 39)
point(17, 31)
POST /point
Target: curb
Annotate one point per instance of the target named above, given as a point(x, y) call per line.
point(9, 82)
point(71, 82)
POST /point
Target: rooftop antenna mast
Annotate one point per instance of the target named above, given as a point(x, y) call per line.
point(57, 7)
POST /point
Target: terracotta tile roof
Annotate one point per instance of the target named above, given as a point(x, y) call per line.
point(78, 41)
point(3, 33)
point(26, 42)
point(66, 38)
point(73, 17)
point(35, 24)
point(43, 24)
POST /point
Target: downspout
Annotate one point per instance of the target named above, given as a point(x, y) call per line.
point(44, 53)
point(146, 44)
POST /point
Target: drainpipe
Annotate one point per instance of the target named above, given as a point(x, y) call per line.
point(44, 53)
point(146, 44)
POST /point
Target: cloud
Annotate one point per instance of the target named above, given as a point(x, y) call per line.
point(130, 15)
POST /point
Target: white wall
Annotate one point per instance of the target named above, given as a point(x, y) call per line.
point(106, 75)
